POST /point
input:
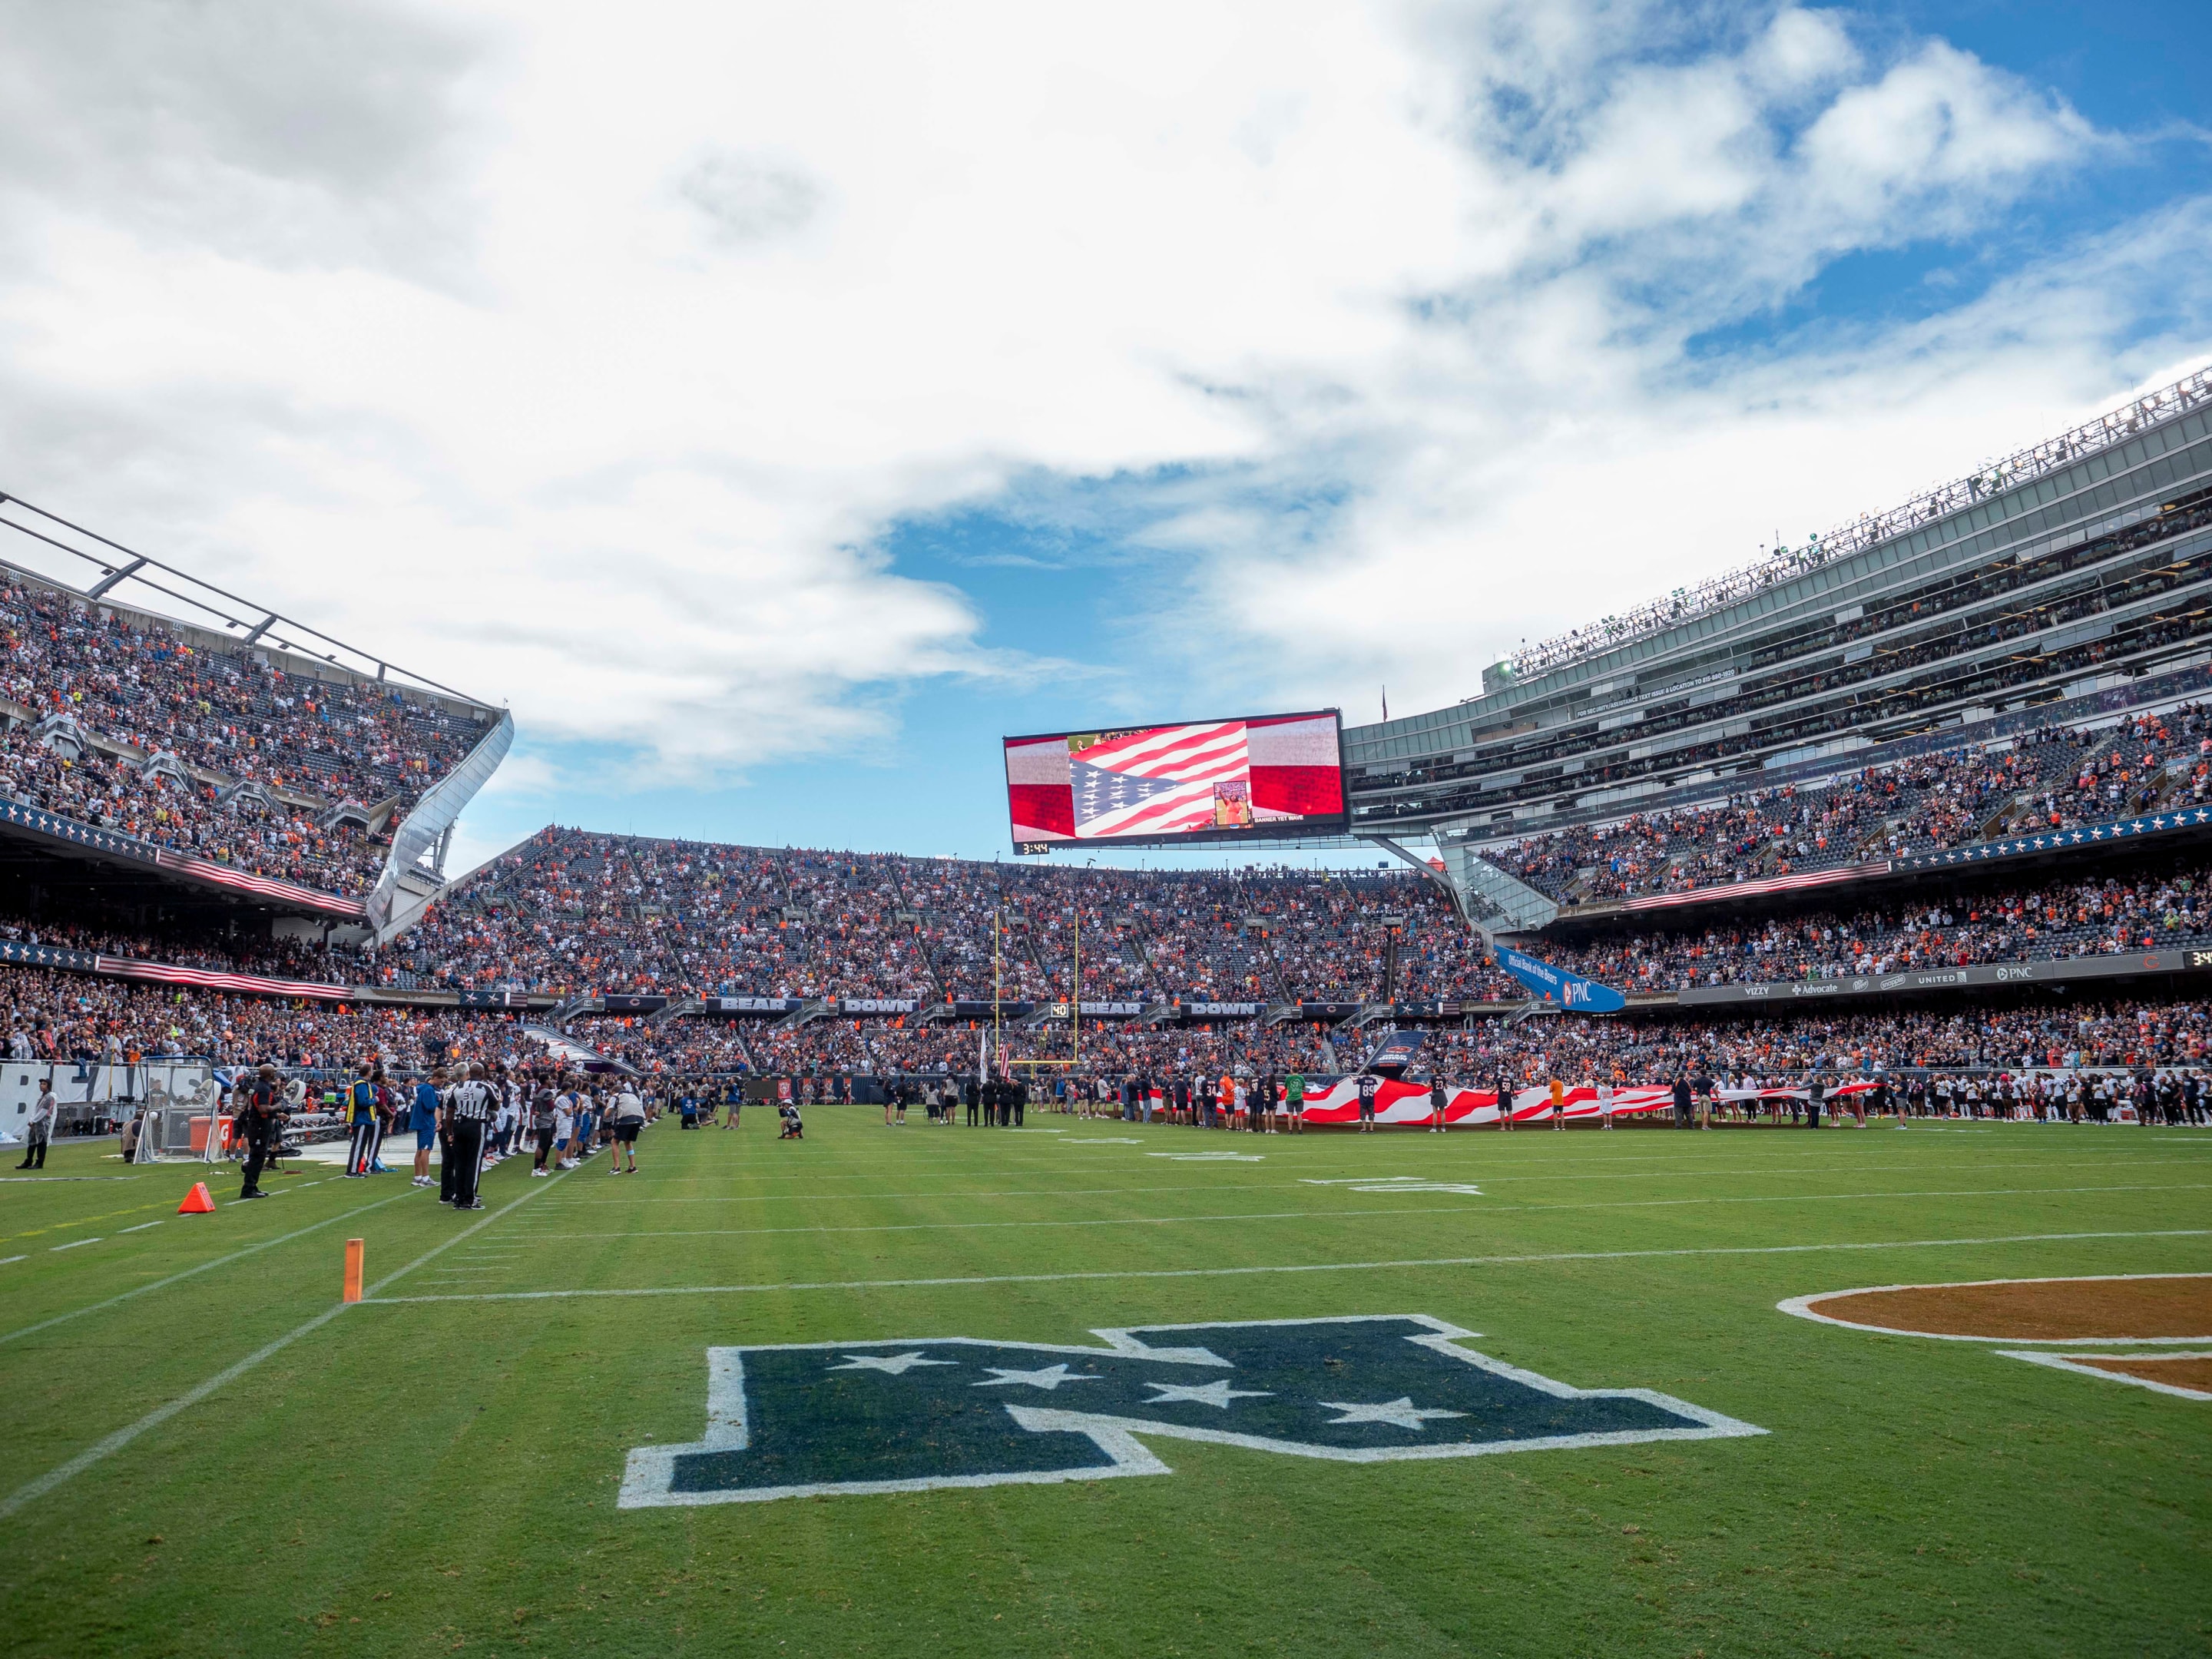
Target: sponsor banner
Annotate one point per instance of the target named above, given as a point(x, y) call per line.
point(753, 1005)
point(2186, 819)
point(19, 955)
point(983, 1008)
point(1329, 1010)
point(2118, 965)
point(1558, 986)
point(634, 1005)
point(207, 979)
point(879, 1005)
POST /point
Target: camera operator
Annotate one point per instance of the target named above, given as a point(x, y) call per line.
point(258, 1104)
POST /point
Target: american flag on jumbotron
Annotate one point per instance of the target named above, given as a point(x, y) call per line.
point(1161, 781)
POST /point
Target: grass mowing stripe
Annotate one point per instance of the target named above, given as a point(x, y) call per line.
point(123, 1436)
point(1329, 1215)
point(1294, 1267)
point(1483, 1173)
point(219, 1261)
point(33, 1490)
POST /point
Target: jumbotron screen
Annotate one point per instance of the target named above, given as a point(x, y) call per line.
point(1272, 775)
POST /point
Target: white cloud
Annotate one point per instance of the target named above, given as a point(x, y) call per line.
point(585, 366)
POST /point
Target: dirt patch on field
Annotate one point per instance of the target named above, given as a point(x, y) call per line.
point(2035, 1311)
point(2193, 1372)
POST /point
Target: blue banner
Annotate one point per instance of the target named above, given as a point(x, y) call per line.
point(1558, 986)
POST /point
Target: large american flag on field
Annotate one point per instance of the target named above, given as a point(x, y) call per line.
point(1158, 783)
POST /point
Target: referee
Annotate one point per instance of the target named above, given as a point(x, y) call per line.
point(469, 1111)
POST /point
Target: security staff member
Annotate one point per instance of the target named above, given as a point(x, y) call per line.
point(972, 1091)
point(257, 1116)
point(469, 1111)
point(1018, 1097)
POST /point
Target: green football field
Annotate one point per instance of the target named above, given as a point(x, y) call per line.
point(231, 1461)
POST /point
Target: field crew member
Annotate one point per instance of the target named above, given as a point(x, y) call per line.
point(1294, 1101)
point(469, 1109)
point(629, 1113)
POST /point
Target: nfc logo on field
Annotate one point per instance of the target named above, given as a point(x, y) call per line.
point(803, 1419)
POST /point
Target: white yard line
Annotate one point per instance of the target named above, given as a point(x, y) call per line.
point(1298, 1267)
point(123, 1436)
point(77, 1242)
point(140, 1227)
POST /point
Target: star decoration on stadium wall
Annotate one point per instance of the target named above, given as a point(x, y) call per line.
point(2056, 840)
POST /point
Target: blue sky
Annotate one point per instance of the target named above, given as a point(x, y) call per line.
point(776, 413)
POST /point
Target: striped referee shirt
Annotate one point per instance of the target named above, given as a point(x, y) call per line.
point(472, 1101)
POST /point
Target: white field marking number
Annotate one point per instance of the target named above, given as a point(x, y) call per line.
point(1212, 1157)
point(1397, 1184)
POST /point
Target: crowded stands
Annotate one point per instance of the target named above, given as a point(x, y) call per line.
point(2054, 777)
point(120, 722)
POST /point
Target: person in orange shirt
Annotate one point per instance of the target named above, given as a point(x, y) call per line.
point(1558, 1104)
point(1227, 1102)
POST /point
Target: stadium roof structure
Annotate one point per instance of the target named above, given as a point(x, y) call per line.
point(2082, 561)
point(55, 549)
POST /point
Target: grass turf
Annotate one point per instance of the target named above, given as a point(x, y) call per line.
point(427, 1474)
